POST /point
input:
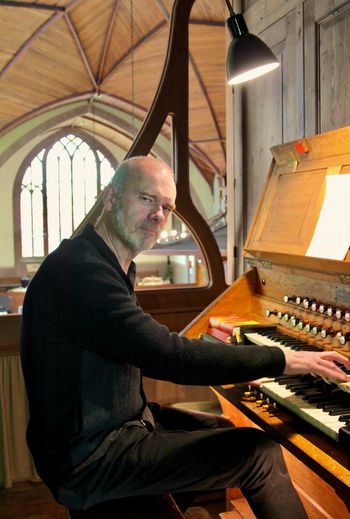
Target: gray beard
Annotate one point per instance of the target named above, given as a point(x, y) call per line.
point(132, 242)
point(120, 228)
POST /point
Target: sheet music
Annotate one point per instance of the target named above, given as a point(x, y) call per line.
point(331, 239)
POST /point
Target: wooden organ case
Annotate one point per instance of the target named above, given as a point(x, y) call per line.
point(303, 297)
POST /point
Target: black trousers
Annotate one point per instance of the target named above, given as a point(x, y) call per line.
point(187, 452)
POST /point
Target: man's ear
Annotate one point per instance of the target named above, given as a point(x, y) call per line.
point(109, 196)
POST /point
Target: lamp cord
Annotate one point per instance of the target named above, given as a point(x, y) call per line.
point(132, 68)
point(230, 8)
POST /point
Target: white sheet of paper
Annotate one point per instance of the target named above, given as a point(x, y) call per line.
point(331, 237)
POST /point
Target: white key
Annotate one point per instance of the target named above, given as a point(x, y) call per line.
point(330, 425)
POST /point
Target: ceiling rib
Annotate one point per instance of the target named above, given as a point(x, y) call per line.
point(80, 49)
point(201, 141)
point(107, 41)
point(33, 5)
point(33, 37)
point(209, 23)
point(28, 43)
point(194, 148)
point(36, 111)
point(207, 98)
point(163, 9)
point(140, 42)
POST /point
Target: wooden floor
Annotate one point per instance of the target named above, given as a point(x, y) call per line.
point(29, 501)
point(34, 501)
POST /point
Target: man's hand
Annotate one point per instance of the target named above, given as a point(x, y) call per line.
point(320, 363)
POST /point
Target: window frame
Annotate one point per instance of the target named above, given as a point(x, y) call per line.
point(47, 143)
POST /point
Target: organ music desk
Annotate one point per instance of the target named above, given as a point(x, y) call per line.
point(317, 450)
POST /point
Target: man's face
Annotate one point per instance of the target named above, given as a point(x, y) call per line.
point(142, 210)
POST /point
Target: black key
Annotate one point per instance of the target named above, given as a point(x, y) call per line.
point(336, 405)
point(301, 385)
point(344, 417)
point(340, 411)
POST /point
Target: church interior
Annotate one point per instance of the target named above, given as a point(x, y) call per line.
point(85, 84)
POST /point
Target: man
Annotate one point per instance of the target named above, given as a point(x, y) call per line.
point(85, 345)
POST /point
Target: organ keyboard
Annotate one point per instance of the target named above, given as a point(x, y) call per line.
point(310, 397)
point(309, 416)
point(285, 343)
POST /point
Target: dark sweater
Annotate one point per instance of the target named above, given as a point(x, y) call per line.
point(85, 342)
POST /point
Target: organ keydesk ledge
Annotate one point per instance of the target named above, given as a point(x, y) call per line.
point(306, 299)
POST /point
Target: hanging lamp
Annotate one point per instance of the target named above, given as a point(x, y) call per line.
point(248, 57)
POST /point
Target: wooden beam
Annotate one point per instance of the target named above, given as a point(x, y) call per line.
point(209, 103)
point(81, 50)
point(107, 41)
point(32, 5)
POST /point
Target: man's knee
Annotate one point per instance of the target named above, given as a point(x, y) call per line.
point(262, 451)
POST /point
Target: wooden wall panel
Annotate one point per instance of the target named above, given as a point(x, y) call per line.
point(272, 109)
point(308, 94)
point(327, 59)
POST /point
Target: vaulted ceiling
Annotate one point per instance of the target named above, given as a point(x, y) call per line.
point(111, 51)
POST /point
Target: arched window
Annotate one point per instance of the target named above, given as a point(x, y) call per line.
point(59, 187)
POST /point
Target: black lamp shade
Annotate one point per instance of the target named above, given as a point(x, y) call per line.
point(248, 56)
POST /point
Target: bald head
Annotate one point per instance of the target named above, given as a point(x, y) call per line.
point(131, 170)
